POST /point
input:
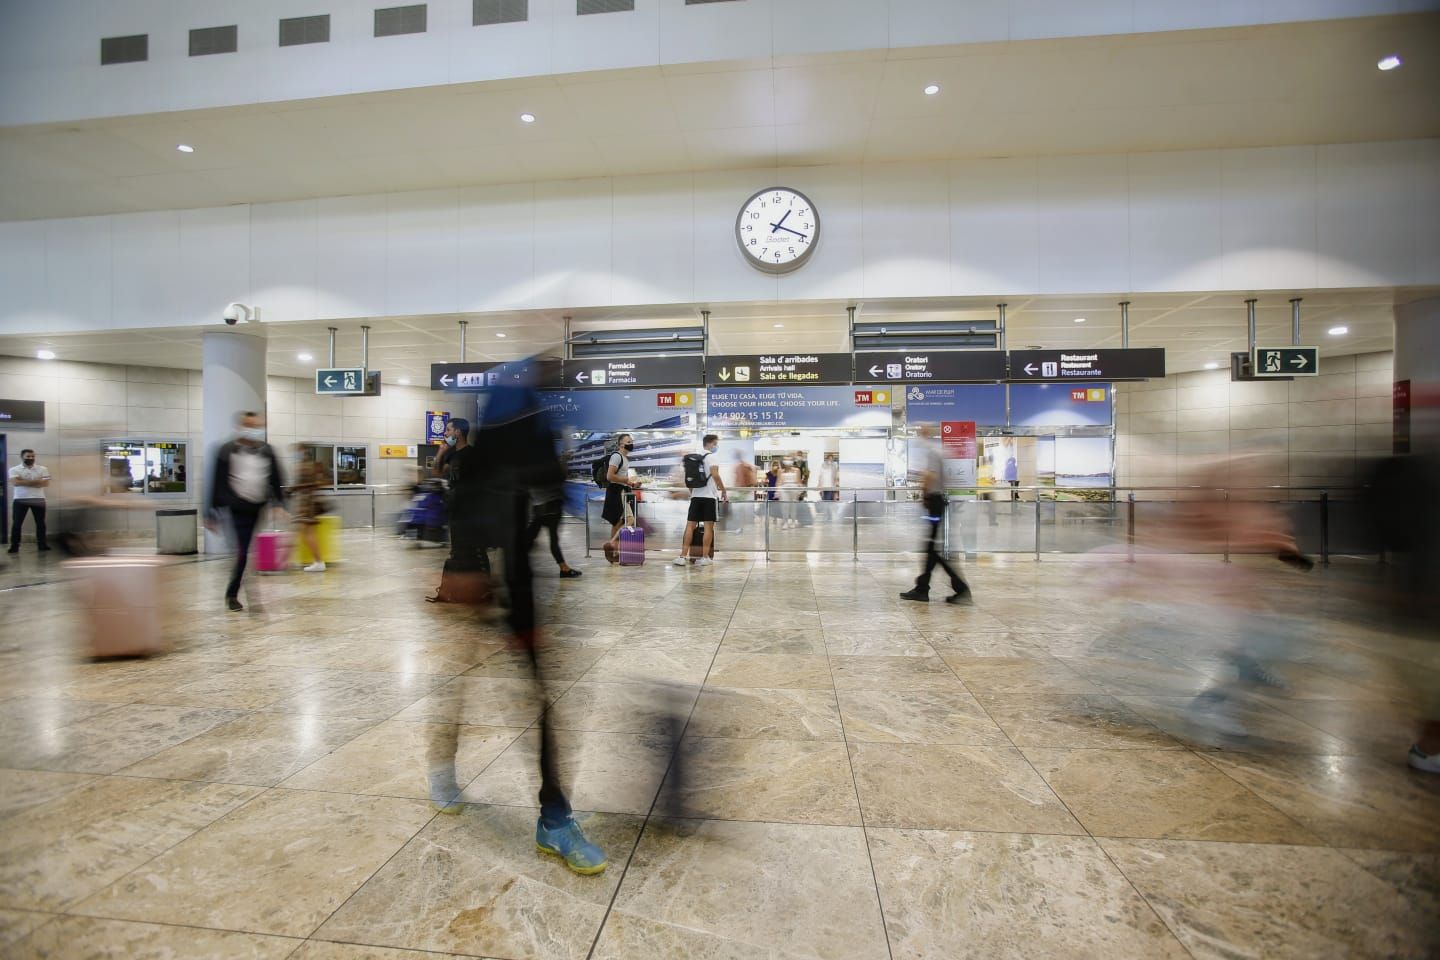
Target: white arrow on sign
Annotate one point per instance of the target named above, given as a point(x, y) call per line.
point(1030, 369)
point(1300, 361)
point(445, 380)
point(329, 381)
point(581, 377)
point(874, 371)
point(724, 373)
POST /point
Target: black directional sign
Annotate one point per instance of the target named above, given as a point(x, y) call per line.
point(1028, 366)
point(922, 366)
point(478, 376)
point(1274, 362)
point(633, 372)
point(777, 369)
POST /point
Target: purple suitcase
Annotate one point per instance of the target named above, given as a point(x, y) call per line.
point(632, 547)
point(272, 551)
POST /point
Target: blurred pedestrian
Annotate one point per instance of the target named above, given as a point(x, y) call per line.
point(547, 508)
point(307, 510)
point(465, 578)
point(245, 479)
point(28, 481)
point(932, 484)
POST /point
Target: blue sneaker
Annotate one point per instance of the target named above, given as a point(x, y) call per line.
point(444, 791)
point(569, 844)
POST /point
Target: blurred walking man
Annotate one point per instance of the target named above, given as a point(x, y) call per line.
point(933, 486)
point(245, 479)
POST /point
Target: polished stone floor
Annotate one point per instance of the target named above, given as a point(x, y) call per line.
point(859, 777)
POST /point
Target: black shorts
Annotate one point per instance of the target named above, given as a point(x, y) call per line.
point(701, 509)
point(614, 510)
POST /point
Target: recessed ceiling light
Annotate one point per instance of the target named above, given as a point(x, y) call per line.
point(502, 336)
point(184, 148)
point(932, 89)
point(778, 326)
point(527, 118)
point(1390, 62)
point(404, 381)
point(1338, 331)
point(45, 354)
point(1079, 319)
point(304, 357)
point(1212, 365)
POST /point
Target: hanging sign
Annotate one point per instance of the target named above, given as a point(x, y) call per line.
point(1142, 363)
point(777, 368)
point(633, 372)
point(480, 375)
point(921, 366)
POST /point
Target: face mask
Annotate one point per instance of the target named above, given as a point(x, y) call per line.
point(628, 447)
point(253, 434)
point(449, 441)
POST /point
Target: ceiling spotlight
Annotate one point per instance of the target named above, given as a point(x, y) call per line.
point(1212, 365)
point(1338, 331)
point(1079, 319)
point(186, 148)
point(778, 326)
point(45, 354)
point(404, 381)
point(304, 357)
point(932, 89)
point(502, 336)
point(527, 118)
point(1390, 62)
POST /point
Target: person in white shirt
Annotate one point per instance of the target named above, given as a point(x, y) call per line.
point(933, 490)
point(704, 503)
point(27, 495)
point(245, 478)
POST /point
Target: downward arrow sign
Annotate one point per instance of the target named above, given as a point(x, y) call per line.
point(1030, 369)
point(724, 373)
point(874, 371)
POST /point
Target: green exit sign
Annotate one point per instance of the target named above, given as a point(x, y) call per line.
point(1272, 362)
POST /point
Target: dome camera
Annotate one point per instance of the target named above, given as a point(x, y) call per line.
point(236, 312)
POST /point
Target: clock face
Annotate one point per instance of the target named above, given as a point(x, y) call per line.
point(777, 229)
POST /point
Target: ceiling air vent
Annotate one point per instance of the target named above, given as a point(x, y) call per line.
point(583, 7)
point(134, 49)
point(208, 40)
point(395, 21)
point(487, 12)
point(298, 30)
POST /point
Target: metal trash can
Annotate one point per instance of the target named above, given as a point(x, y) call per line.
point(176, 531)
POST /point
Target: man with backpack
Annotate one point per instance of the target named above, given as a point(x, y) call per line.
point(702, 476)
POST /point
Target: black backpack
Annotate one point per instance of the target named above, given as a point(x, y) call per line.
point(696, 476)
point(600, 471)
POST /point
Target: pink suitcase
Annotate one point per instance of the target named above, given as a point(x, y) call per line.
point(272, 551)
point(632, 547)
point(122, 600)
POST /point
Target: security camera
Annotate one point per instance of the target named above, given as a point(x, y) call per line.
point(236, 312)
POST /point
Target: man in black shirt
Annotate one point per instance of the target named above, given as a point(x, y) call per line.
point(245, 479)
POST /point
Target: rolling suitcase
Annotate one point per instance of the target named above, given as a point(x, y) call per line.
point(272, 551)
point(632, 547)
point(328, 533)
point(697, 543)
point(121, 597)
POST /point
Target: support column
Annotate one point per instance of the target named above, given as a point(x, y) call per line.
point(232, 380)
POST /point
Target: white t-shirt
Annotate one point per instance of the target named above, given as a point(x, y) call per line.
point(933, 463)
point(709, 490)
point(249, 475)
point(22, 472)
point(620, 464)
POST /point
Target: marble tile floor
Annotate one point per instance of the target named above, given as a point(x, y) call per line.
point(858, 777)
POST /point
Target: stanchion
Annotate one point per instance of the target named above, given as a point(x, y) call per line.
point(855, 527)
point(1130, 526)
point(1325, 528)
point(1037, 524)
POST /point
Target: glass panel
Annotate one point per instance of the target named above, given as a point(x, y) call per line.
point(321, 453)
point(350, 466)
point(165, 468)
point(124, 467)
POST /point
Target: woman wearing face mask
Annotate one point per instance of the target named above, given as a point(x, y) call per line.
point(619, 486)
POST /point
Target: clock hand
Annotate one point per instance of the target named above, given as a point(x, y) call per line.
point(778, 226)
point(788, 230)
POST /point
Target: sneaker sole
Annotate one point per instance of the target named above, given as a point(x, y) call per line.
point(449, 809)
point(583, 871)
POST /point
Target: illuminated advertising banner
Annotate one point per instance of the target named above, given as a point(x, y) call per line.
point(1060, 405)
point(982, 403)
point(843, 408)
point(614, 410)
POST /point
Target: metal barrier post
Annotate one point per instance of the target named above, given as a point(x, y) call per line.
point(1037, 524)
point(372, 509)
point(585, 509)
point(766, 501)
point(1130, 526)
point(1324, 527)
point(855, 526)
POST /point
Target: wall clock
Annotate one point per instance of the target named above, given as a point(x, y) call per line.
point(777, 229)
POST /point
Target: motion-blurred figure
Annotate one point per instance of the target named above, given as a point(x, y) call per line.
point(308, 507)
point(466, 575)
point(244, 479)
point(932, 483)
point(517, 447)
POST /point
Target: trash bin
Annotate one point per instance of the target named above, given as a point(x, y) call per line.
point(176, 531)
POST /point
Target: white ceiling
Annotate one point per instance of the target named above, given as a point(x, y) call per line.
point(1193, 328)
point(1310, 82)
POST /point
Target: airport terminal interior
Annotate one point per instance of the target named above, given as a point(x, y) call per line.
point(719, 479)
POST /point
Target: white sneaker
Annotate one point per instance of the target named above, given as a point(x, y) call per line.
point(679, 561)
point(703, 562)
point(317, 567)
point(1429, 763)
